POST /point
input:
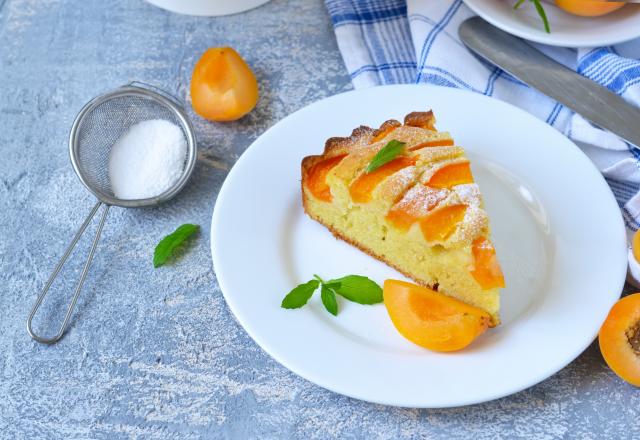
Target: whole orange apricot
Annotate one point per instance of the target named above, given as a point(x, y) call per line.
point(223, 87)
point(589, 8)
point(619, 339)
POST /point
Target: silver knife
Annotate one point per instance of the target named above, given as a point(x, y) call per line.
point(594, 102)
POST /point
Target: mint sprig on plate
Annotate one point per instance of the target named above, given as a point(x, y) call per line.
point(385, 155)
point(541, 12)
point(171, 242)
point(355, 288)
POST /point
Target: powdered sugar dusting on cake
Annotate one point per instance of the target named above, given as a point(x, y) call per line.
point(474, 223)
point(396, 184)
point(469, 194)
point(420, 199)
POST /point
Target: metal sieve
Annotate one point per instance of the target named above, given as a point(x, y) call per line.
point(100, 123)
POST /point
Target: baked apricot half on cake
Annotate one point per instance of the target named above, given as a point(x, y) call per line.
point(405, 194)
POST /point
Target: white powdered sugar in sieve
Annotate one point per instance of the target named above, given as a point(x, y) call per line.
point(147, 160)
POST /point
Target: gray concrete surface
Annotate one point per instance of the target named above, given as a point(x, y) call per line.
point(156, 353)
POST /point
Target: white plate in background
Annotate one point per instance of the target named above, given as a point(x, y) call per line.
point(567, 30)
point(557, 229)
point(208, 8)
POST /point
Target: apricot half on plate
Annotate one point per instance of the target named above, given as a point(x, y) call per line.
point(619, 339)
point(431, 319)
point(589, 8)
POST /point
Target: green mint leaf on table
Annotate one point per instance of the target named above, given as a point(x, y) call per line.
point(358, 289)
point(171, 242)
point(385, 155)
point(328, 297)
point(300, 295)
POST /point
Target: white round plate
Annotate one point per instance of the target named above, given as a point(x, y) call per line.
point(566, 30)
point(208, 8)
point(556, 226)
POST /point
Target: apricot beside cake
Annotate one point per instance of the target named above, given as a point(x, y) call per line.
point(419, 212)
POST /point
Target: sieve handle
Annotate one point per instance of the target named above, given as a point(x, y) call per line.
point(61, 263)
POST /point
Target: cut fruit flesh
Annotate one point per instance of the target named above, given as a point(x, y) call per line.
point(431, 319)
point(418, 201)
point(317, 178)
point(361, 189)
point(451, 175)
point(486, 271)
point(619, 339)
point(436, 143)
point(441, 223)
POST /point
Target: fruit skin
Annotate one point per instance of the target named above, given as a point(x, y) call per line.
point(361, 188)
point(223, 86)
point(636, 245)
point(451, 175)
point(441, 223)
point(407, 211)
point(486, 271)
point(618, 328)
point(317, 180)
point(431, 319)
point(435, 143)
point(589, 8)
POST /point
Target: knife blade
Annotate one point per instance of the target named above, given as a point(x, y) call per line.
point(594, 102)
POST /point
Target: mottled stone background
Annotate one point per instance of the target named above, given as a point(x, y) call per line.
point(156, 353)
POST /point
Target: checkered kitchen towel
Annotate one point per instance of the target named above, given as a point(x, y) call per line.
point(416, 41)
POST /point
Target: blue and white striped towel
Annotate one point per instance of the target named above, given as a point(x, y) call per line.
point(416, 41)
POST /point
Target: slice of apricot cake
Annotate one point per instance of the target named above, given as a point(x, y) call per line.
point(413, 205)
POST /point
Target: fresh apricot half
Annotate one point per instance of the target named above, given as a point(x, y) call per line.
point(486, 270)
point(223, 87)
point(619, 339)
point(589, 8)
point(451, 175)
point(431, 319)
point(361, 188)
point(442, 222)
point(317, 178)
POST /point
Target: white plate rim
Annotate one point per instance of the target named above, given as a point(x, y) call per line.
point(550, 39)
point(328, 384)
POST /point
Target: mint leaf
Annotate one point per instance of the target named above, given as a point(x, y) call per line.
point(542, 15)
point(541, 12)
point(168, 244)
point(300, 295)
point(358, 289)
point(328, 297)
point(386, 154)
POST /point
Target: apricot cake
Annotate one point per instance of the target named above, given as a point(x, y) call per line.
point(419, 210)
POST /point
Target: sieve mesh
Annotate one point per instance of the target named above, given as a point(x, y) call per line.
point(108, 118)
